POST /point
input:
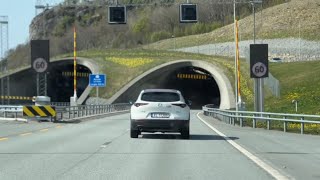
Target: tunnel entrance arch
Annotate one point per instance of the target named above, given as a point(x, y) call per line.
point(184, 75)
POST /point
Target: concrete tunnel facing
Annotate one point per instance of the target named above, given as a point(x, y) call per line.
point(200, 82)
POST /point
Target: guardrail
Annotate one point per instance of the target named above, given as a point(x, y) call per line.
point(60, 103)
point(233, 117)
point(65, 113)
point(72, 112)
point(6, 111)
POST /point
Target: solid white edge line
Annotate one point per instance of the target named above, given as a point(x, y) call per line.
point(273, 172)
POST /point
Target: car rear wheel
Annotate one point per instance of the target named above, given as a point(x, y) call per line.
point(185, 134)
point(134, 133)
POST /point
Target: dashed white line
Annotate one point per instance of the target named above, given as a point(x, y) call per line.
point(25, 134)
point(273, 172)
point(44, 130)
point(3, 139)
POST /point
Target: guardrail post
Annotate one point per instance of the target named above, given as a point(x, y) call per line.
point(223, 118)
point(254, 121)
point(69, 112)
point(285, 125)
point(72, 112)
point(78, 111)
point(241, 120)
point(268, 123)
point(302, 125)
point(234, 119)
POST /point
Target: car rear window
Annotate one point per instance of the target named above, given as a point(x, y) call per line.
point(160, 97)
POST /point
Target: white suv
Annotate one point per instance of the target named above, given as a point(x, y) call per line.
point(160, 110)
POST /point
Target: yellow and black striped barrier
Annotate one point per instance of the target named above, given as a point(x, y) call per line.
point(192, 76)
point(16, 97)
point(42, 111)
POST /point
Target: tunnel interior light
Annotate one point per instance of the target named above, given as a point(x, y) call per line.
point(79, 74)
point(192, 76)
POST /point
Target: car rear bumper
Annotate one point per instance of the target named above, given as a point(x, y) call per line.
point(160, 125)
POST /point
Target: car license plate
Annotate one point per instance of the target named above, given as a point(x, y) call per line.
point(160, 115)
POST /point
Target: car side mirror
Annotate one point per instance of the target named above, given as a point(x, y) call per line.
point(130, 102)
point(189, 103)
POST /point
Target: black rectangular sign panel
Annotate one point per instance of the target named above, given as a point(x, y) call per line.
point(117, 15)
point(40, 55)
point(188, 13)
point(259, 65)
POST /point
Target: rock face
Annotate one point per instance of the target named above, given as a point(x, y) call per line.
point(57, 20)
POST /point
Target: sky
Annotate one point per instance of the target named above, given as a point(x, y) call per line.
point(20, 14)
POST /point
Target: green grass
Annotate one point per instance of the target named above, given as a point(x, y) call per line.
point(119, 75)
point(299, 81)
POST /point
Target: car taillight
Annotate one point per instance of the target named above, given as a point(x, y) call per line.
point(180, 105)
point(139, 104)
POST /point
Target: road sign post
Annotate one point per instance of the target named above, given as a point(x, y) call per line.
point(259, 68)
point(97, 80)
point(40, 63)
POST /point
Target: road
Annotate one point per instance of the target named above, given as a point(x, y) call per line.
point(102, 149)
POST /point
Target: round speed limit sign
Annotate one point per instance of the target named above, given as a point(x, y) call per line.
point(259, 69)
point(40, 65)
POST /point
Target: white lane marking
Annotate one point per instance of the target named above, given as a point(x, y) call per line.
point(273, 172)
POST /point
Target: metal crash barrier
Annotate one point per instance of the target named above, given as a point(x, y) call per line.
point(240, 117)
point(61, 113)
point(82, 111)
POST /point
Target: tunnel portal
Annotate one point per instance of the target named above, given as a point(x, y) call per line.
point(60, 81)
point(23, 85)
point(196, 84)
point(200, 82)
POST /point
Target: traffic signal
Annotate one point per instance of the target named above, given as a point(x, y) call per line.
point(117, 15)
point(188, 13)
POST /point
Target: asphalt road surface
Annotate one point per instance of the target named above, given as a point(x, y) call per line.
point(103, 149)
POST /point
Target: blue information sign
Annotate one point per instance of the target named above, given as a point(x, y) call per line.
point(97, 80)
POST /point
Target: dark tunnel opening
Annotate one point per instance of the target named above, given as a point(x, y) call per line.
point(196, 84)
point(23, 85)
point(60, 81)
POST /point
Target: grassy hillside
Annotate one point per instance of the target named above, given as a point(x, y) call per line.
point(281, 21)
point(122, 66)
point(299, 81)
